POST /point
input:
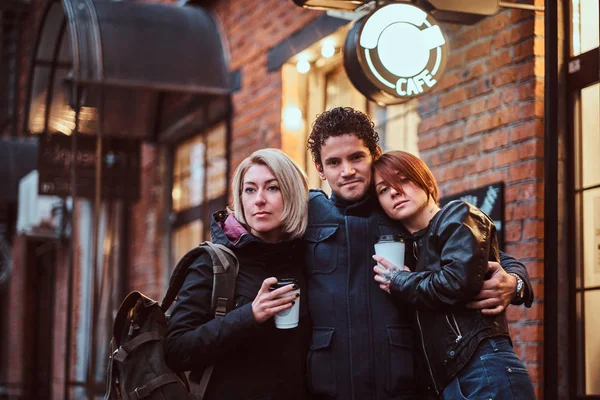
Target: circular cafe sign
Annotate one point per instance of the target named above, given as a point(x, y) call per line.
point(395, 53)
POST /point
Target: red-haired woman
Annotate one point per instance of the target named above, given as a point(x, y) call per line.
point(465, 353)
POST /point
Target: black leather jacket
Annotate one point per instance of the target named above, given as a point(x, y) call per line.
point(453, 254)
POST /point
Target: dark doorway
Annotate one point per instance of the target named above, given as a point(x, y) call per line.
point(39, 313)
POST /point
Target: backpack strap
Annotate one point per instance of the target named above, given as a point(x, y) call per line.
point(225, 270)
point(145, 391)
point(137, 341)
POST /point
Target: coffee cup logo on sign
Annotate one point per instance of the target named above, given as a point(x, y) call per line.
point(395, 53)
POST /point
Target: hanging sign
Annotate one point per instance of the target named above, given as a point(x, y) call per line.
point(395, 53)
point(120, 167)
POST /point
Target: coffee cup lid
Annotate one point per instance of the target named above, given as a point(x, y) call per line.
point(390, 238)
point(281, 282)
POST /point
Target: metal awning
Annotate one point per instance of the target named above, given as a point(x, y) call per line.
point(137, 69)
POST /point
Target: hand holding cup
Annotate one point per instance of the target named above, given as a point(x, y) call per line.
point(385, 272)
point(268, 303)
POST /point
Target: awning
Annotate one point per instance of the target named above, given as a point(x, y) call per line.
point(139, 69)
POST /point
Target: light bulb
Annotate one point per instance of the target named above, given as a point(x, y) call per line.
point(292, 118)
point(303, 66)
point(328, 48)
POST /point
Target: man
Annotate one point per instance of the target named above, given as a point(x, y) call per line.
point(362, 345)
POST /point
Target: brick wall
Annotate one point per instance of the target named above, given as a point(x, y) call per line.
point(483, 124)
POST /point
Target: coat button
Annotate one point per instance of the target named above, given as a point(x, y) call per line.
point(452, 353)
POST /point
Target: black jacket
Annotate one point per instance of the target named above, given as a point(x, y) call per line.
point(252, 361)
point(453, 253)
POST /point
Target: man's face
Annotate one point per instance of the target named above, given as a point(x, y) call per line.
point(346, 165)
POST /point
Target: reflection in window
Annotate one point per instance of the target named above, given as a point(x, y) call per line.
point(185, 238)
point(199, 188)
point(587, 200)
point(188, 176)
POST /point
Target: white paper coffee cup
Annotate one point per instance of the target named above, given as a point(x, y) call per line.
point(391, 247)
point(288, 318)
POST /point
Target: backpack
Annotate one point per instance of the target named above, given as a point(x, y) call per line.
point(137, 368)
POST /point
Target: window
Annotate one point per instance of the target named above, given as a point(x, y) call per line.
point(10, 30)
point(199, 188)
point(584, 242)
point(325, 86)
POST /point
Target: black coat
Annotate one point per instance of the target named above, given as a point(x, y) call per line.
point(252, 361)
point(362, 343)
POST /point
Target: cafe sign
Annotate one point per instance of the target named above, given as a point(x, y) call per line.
point(395, 53)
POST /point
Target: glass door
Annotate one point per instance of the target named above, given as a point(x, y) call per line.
point(584, 94)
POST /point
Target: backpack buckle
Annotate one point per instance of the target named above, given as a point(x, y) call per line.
point(141, 392)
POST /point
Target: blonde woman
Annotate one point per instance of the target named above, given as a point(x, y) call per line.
point(253, 359)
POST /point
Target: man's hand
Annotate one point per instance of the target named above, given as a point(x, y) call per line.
point(496, 293)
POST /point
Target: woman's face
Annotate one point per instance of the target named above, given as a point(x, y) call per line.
point(404, 206)
point(263, 203)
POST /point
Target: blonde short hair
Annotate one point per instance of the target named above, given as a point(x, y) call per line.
point(294, 189)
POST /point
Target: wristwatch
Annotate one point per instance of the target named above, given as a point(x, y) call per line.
point(520, 287)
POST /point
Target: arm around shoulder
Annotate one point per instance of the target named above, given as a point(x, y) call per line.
point(512, 266)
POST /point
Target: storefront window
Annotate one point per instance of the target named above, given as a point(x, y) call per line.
point(325, 86)
point(585, 34)
point(587, 198)
point(199, 188)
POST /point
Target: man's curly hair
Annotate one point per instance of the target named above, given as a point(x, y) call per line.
point(341, 121)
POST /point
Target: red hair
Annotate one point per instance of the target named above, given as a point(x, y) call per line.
point(393, 165)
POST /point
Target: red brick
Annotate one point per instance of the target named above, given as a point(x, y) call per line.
point(526, 91)
point(494, 140)
point(531, 190)
point(490, 177)
point(491, 25)
point(494, 101)
point(513, 231)
point(506, 115)
point(479, 50)
point(533, 209)
point(478, 124)
point(453, 97)
point(532, 333)
point(535, 270)
point(451, 134)
point(525, 250)
point(523, 50)
point(499, 59)
point(468, 35)
point(533, 230)
point(534, 373)
point(464, 112)
point(527, 130)
point(515, 314)
point(428, 142)
point(511, 194)
point(505, 76)
point(535, 312)
point(508, 96)
point(456, 59)
point(480, 87)
point(478, 107)
point(529, 69)
point(507, 156)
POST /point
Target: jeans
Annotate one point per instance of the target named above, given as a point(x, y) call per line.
point(493, 372)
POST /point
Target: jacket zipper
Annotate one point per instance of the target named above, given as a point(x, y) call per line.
point(455, 329)
point(426, 356)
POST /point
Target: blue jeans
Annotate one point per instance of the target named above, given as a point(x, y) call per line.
point(493, 372)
